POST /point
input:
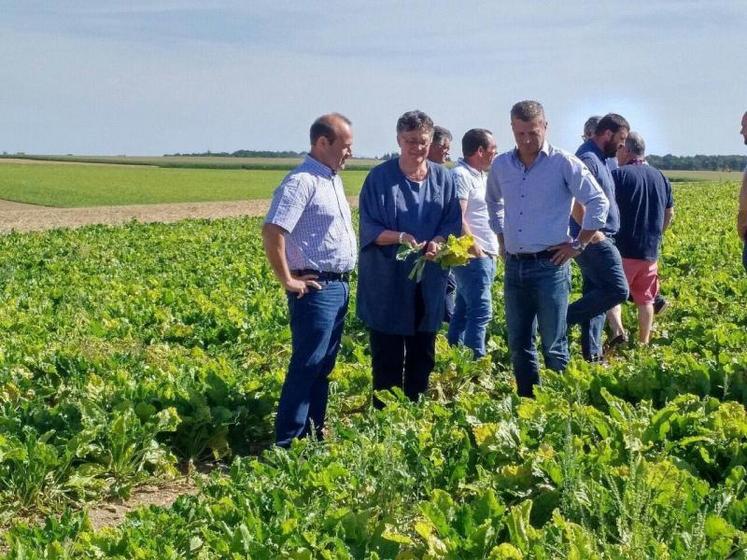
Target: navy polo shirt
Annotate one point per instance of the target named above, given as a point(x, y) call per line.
point(642, 193)
point(596, 161)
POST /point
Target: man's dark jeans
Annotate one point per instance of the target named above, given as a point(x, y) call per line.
point(450, 300)
point(316, 322)
point(604, 286)
point(744, 255)
point(536, 293)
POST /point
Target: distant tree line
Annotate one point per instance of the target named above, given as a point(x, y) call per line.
point(245, 153)
point(698, 162)
point(685, 163)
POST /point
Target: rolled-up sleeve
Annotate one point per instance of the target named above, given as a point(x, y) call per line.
point(288, 203)
point(371, 220)
point(494, 201)
point(587, 191)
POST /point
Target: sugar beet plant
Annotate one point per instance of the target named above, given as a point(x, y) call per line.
point(129, 351)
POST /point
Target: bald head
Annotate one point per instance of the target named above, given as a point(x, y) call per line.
point(331, 140)
point(328, 126)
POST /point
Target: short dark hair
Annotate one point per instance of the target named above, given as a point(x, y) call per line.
point(613, 122)
point(440, 134)
point(475, 139)
point(527, 110)
point(325, 126)
point(590, 126)
point(635, 144)
point(415, 120)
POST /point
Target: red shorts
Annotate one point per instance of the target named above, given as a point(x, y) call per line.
point(643, 279)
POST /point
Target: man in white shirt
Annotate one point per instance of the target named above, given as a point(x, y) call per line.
point(473, 308)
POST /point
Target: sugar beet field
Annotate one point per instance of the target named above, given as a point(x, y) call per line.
point(132, 354)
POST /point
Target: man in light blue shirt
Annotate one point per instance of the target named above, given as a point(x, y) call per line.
point(309, 241)
point(530, 191)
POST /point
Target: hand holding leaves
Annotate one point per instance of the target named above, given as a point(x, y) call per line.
point(455, 252)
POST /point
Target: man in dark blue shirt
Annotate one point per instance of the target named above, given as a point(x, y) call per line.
point(604, 283)
point(644, 198)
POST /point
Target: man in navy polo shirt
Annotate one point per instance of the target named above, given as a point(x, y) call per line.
point(604, 284)
point(644, 198)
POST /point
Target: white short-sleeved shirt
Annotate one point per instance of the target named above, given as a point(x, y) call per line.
point(470, 186)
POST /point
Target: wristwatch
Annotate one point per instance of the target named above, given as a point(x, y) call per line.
point(576, 245)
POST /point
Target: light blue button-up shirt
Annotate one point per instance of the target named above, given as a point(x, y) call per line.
point(310, 205)
point(530, 206)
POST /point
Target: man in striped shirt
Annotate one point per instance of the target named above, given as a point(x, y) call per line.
point(309, 241)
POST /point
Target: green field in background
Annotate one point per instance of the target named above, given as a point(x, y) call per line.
point(684, 176)
point(153, 180)
point(202, 162)
point(70, 185)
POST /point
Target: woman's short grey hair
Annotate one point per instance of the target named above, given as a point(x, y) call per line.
point(527, 110)
point(635, 144)
point(415, 120)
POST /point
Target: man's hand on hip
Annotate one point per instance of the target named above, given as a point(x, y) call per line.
point(300, 284)
point(563, 253)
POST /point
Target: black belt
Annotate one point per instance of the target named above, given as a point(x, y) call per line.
point(323, 276)
point(531, 256)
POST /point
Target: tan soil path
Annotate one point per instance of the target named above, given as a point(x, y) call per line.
point(112, 513)
point(28, 217)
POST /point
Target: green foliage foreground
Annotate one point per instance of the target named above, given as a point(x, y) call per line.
point(127, 350)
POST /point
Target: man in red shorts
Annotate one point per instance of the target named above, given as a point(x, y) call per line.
point(644, 197)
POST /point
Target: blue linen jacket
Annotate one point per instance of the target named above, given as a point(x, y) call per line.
point(386, 296)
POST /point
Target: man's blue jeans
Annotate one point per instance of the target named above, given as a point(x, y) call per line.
point(316, 322)
point(744, 255)
point(604, 286)
point(450, 299)
point(474, 305)
point(536, 293)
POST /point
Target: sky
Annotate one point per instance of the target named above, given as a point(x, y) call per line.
point(154, 77)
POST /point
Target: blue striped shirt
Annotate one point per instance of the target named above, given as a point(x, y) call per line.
point(310, 205)
point(530, 207)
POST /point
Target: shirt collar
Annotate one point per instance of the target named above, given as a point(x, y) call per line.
point(318, 167)
point(474, 172)
point(545, 149)
point(591, 146)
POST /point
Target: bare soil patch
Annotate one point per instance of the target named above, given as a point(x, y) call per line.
point(15, 216)
point(111, 514)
